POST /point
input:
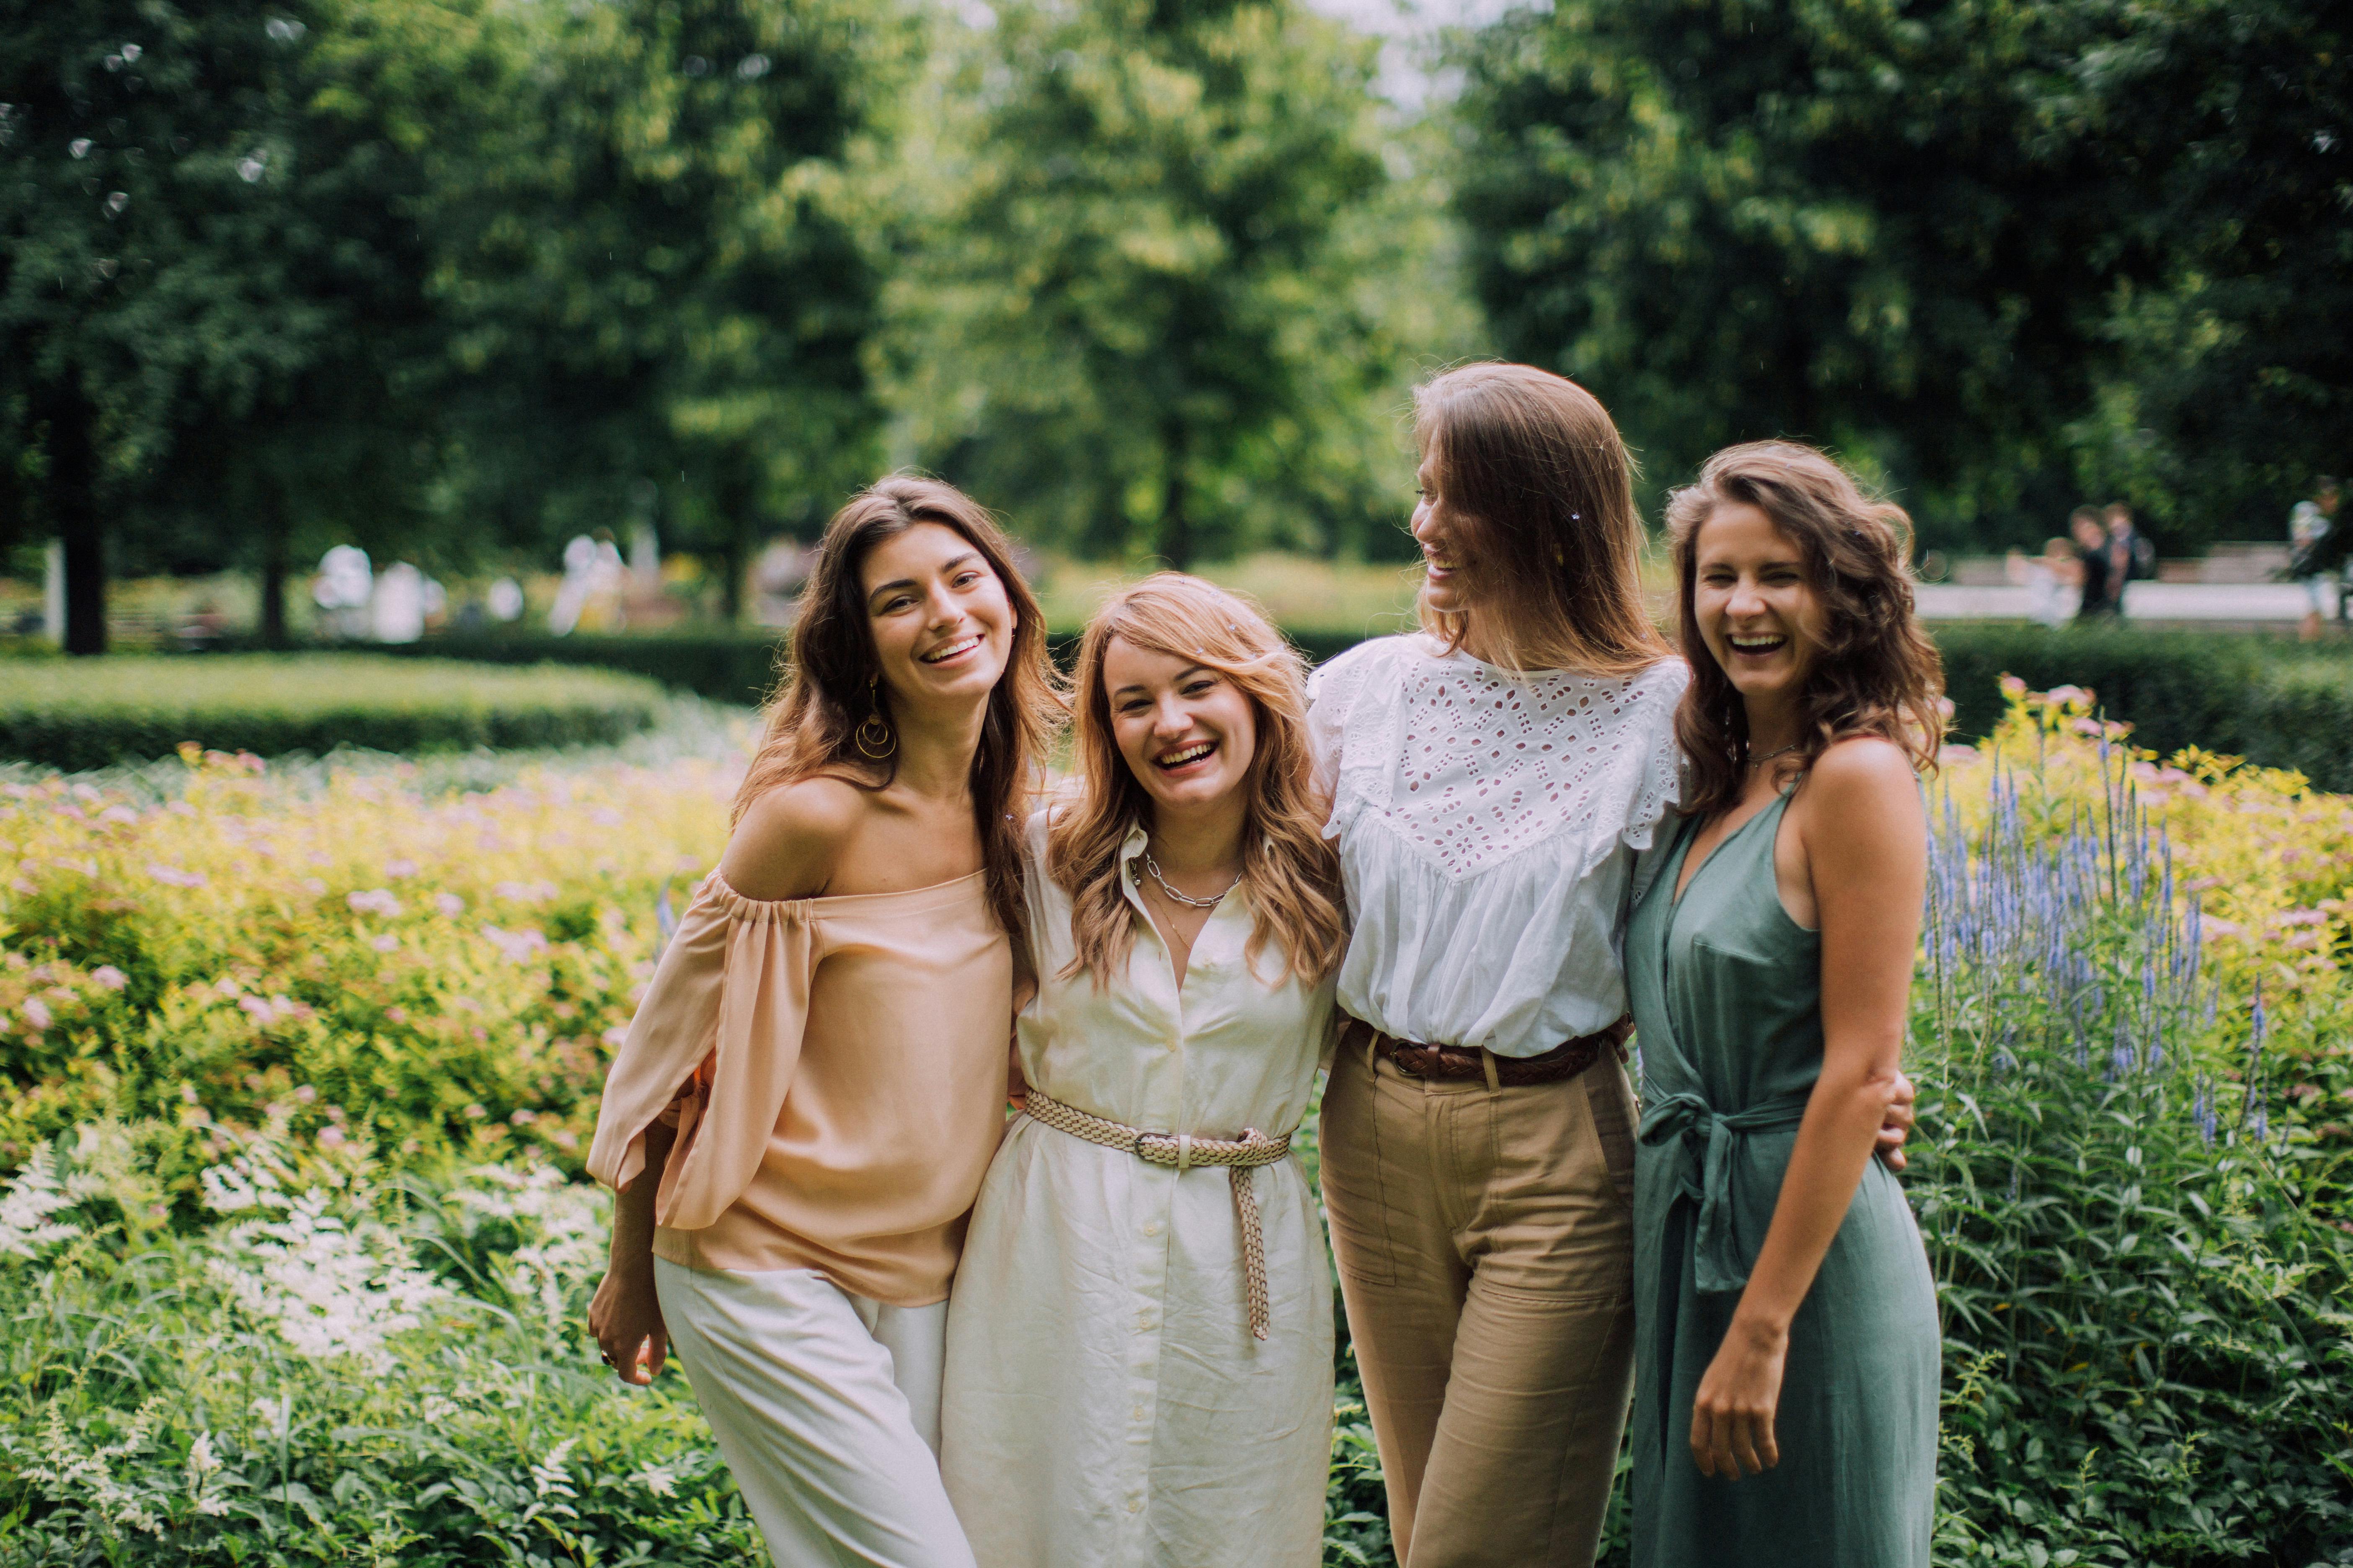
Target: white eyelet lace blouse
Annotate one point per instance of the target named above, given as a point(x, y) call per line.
point(1487, 823)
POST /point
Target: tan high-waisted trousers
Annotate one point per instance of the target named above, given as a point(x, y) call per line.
point(1485, 1245)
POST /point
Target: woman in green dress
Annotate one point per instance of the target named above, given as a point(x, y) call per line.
point(1786, 1354)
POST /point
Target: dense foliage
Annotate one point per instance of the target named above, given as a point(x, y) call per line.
point(2004, 251)
point(304, 1060)
point(78, 715)
point(430, 971)
point(2277, 703)
point(1168, 291)
point(437, 275)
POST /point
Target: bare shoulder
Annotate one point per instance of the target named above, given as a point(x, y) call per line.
point(790, 839)
point(1865, 786)
point(1862, 769)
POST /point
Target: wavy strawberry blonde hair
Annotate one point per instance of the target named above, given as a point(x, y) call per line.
point(1293, 874)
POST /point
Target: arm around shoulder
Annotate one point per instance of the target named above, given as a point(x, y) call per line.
point(789, 840)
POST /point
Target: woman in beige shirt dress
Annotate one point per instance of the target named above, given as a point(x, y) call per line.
point(1139, 1367)
point(826, 1034)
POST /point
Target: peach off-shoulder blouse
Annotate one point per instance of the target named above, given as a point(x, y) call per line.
point(835, 1068)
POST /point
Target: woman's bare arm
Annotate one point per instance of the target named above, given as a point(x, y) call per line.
point(786, 847)
point(1868, 865)
point(626, 1315)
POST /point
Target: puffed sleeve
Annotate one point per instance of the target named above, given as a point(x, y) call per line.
point(1331, 691)
point(718, 1037)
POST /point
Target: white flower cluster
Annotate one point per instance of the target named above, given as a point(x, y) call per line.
point(561, 1226)
point(65, 1467)
point(30, 1201)
point(329, 1285)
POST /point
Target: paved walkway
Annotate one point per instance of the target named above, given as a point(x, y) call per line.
point(2258, 603)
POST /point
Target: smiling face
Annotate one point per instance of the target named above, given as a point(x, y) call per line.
point(1186, 731)
point(1448, 544)
point(942, 626)
point(1754, 604)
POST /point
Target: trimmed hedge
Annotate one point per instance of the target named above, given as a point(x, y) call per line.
point(724, 666)
point(76, 714)
point(2277, 703)
point(721, 665)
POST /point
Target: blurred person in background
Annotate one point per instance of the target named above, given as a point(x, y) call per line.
point(2317, 549)
point(2101, 592)
point(2131, 557)
point(2050, 579)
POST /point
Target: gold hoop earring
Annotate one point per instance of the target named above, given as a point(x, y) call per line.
point(876, 740)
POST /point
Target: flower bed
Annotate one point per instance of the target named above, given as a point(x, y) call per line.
point(305, 1278)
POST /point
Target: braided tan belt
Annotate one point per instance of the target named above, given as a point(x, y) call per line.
point(1239, 1155)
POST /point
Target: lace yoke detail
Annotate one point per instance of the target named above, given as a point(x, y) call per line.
point(1473, 766)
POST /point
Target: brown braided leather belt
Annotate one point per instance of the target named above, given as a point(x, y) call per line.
point(1447, 1063)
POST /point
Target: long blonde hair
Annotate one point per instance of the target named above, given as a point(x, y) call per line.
point(1293, 876)
point(1534, 464)
point(830, 678)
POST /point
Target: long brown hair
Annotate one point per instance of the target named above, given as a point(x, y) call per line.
point(1293, 876)
point(1534, 464)
point(1877, 673)
point(830, 670)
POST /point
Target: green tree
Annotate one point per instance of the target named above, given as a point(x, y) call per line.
point(2232, 381)
point(1849, 223)
point(658, 268)
point(211, 295)
point(1997, 250)
point(1129, 312)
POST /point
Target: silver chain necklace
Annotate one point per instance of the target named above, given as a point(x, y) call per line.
point(1783, 752)
point(1152, 868)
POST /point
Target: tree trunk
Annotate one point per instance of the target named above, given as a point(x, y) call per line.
point(1175, 527)
point(275, 565)
point(70, 506)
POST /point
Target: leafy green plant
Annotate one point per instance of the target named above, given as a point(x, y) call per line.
point(77, 715)
point(345, 1369)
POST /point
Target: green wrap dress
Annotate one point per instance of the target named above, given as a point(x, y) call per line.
point(1726, 996)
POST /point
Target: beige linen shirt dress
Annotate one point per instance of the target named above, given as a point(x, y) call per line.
point(1104, 1402)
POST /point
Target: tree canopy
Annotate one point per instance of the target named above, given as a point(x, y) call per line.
point(1999, 251)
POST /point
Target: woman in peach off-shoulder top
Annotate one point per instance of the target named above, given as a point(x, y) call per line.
point(813, 1086)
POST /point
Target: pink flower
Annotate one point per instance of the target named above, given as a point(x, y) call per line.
point(106, 974)
point(449, 904)
point(172, 876)
point(331, 1137)
point(397, 869)
point(519, 946)
point(375, 901)
point(387, 942)
point(37, 1012)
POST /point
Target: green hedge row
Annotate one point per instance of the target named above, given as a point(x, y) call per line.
point(88, 713)
point(724, 666)
point(2277, 703)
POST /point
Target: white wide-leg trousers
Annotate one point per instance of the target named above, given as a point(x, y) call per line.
point(826, 1406)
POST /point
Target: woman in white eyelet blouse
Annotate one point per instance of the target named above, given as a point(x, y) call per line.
point(1493, 777)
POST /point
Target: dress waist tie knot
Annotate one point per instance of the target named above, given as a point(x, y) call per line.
point(1703, 1143)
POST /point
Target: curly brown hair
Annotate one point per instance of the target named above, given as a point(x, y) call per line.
point(1878, 673)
